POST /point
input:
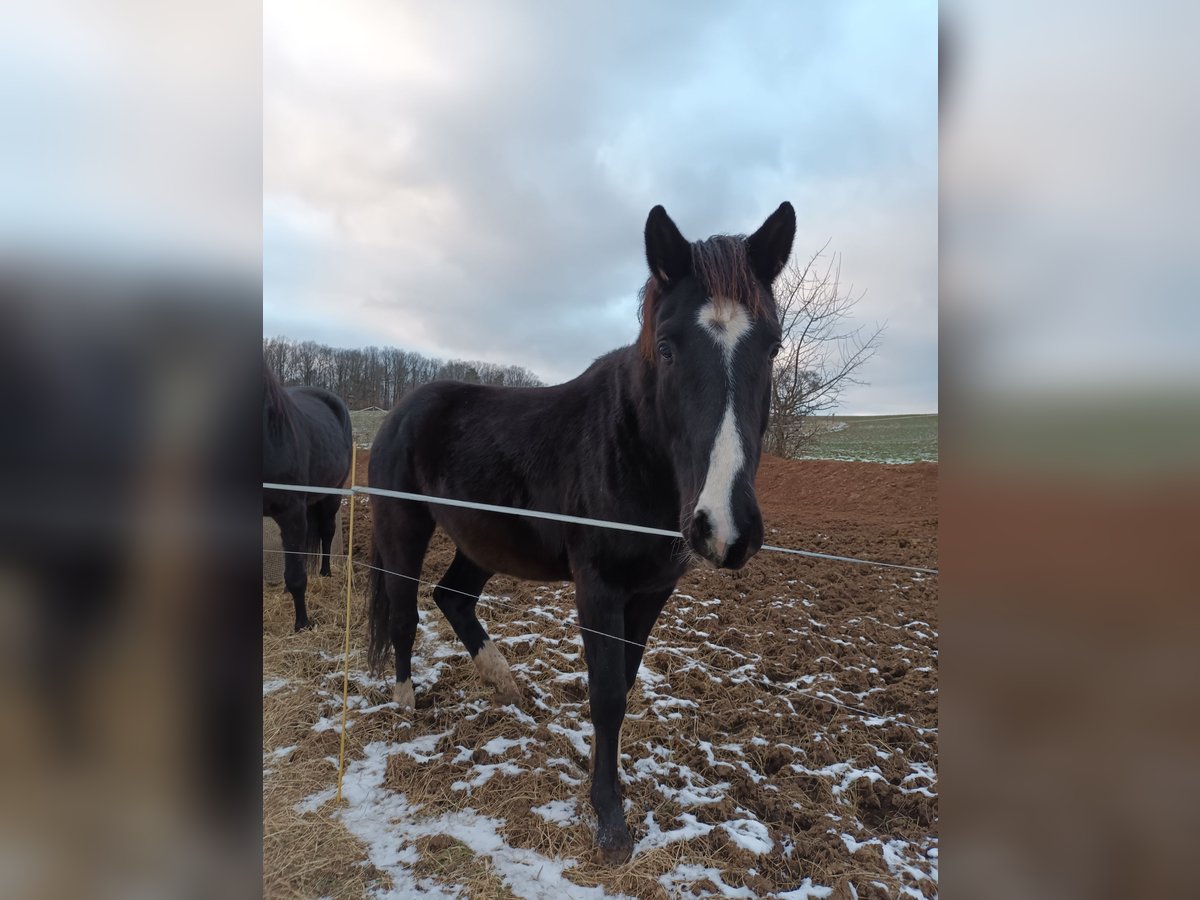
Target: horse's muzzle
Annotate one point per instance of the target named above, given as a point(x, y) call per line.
point(720, 552)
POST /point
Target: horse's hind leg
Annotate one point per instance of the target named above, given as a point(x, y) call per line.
point(457, 595)
point(402, 553)
point(293, 528)
point(327, 512)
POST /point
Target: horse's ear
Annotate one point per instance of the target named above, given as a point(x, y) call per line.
point(667, 251)
point(768, 248)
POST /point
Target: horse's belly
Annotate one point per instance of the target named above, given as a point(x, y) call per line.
point(504, 546)
point(528, 568)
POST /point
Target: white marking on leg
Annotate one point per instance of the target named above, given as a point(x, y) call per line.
point(403, 694)
point(726, 322)
point(494, 671)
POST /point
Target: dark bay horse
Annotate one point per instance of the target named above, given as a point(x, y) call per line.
point(306, 440)
point(666, 433)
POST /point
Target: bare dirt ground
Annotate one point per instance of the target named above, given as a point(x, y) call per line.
point(741, 778)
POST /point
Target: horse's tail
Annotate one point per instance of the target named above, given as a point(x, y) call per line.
point(378, 617)
point(312, 538)
point(347, 424)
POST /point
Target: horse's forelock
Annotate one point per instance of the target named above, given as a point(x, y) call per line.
point(725, 275)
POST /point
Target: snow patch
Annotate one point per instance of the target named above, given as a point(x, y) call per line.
point(577, 736)
point(558, 812)
point(501, 745)
point(807, 890)
point(387, 824)
point(484, 773)
point(688, 874)
point(656, 837)
point(423, 749)
point(750, 835)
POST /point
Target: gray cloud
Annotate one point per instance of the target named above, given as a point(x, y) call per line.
point(472, 180)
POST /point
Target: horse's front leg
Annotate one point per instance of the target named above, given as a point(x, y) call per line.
point(601, 612)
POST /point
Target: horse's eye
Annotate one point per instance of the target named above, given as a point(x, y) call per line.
point(775, 350)
point(664, 350)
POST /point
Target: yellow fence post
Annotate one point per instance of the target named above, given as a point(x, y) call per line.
point(346, 646)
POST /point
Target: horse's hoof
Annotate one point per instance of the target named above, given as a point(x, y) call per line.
point(614, 846)
point(509, 694)
point(306, 625)
point(403, 694)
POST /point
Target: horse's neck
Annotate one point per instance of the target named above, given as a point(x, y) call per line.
point(636, 391)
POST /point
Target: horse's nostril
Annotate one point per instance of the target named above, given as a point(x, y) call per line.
point(701, 525)
point(739, 554)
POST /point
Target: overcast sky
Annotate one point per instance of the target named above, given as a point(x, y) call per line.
point(472, 180)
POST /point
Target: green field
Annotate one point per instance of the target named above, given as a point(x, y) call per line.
point(886, 439)
point(365, 423)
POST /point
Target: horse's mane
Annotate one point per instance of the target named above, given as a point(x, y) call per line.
point(277, 405)
point(725, 275)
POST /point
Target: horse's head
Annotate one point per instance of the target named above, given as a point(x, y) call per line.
point(710, 330)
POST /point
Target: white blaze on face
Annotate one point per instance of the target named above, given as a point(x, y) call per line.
point(726, 323)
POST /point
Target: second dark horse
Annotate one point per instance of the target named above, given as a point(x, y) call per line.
point(666, 433)
point(307, 440)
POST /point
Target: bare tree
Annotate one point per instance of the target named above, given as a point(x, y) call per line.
point(822, 352)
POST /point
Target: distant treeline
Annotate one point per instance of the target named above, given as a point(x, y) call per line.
point(377, 376)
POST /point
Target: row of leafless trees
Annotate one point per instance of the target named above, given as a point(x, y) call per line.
point(377, 376)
